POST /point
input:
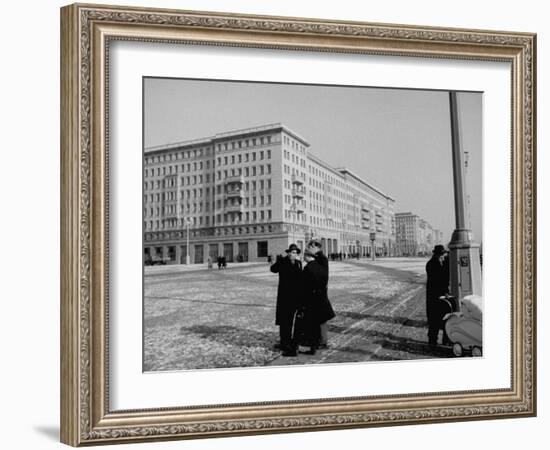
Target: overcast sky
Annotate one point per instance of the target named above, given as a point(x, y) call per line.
point(399, 140)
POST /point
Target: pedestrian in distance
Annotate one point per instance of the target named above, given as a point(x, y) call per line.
point(437, 285)
point(289, 269)
point(209, 262)
point(314, 246)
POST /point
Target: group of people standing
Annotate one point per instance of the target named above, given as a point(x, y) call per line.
point(303, 307)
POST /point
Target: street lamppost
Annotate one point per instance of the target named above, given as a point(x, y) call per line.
point(187, 259)
point(373, 249)
point(465, 269)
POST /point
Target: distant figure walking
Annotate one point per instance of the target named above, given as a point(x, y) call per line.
point(289, 269)
point(437, 270)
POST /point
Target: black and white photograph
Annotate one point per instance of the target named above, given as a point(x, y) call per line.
point(296, 224)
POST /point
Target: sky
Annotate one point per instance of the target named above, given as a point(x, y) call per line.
point(398, 140)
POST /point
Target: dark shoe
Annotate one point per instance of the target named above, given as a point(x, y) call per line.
point(322, 346)
point(289, 353)
point(311, 351)
point(277, 347)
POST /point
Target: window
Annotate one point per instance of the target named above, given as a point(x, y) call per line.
point(269, 154)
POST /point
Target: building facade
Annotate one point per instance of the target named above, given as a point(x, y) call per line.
point(247, 194)
point(414, 235)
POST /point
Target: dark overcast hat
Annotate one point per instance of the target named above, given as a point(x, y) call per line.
point(315, 242)
point(293, 247)
point(439, 250)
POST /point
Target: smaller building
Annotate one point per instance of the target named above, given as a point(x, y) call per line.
point(414, 236)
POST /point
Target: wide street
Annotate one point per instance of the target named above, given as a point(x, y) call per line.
point(198, 318)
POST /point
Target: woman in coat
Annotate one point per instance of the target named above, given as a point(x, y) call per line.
point(289, 269)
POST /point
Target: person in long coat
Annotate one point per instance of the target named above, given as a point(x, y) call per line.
point(437, 270)
point(315, 247)
point(289, 269)
point(314, 300)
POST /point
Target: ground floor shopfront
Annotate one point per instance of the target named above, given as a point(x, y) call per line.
point(239, 245)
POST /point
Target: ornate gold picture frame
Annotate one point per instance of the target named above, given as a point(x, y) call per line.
point(87, 32)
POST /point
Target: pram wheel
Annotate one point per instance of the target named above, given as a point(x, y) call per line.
point(476, 351)
point(457, 349)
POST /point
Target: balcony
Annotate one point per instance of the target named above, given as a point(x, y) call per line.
point(236, 179)
point(298, 179)
point(234, 193)
point(365, 217)
point(378, 214)
point(379, 222)
point(365, 225)
point(298, 207)
point(365, 208)
point(298, 193)
point(234, 209)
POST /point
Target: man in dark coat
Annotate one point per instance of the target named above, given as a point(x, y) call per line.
point(315, 247)
point(437, 269)
point(289, 269)
point(314, 300)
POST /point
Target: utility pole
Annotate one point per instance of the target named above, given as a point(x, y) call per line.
point(465, 268)
point(187, 259)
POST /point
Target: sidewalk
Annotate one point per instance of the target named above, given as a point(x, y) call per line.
point(180, 268)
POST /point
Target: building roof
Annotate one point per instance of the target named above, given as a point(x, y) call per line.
point(346, 171)
point(228, 134)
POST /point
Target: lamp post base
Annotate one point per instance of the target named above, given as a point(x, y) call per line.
point(464, 265)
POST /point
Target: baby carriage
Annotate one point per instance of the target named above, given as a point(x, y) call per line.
point(464, 328)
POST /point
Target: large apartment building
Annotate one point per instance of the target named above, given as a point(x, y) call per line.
point(249, 193)
point(414, 235)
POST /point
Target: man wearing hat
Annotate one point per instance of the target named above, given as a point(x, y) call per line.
point(437, 269)
point(289, 269)
point(316, 248)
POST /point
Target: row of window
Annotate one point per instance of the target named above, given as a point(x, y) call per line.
point(246, 157)
point(244, 143)
point(220, 219)
point(198, 207)
point(294, 144)
point(294, 158)
point(178, 155)
point(247, 172)
point(261, 185)
point(194, 180)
